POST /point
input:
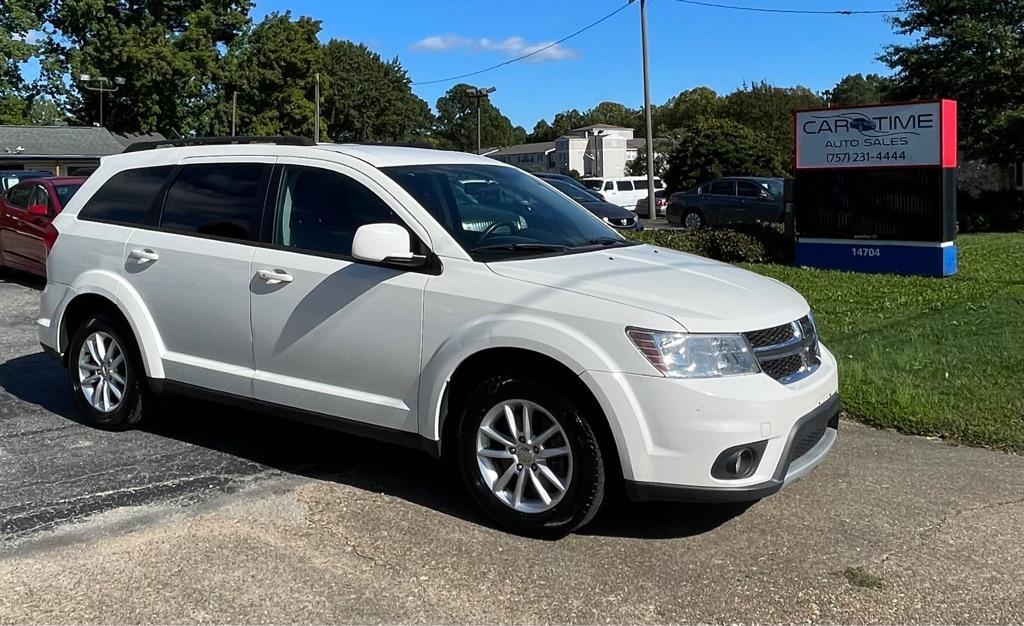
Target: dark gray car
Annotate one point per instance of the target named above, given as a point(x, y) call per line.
point(733, 200)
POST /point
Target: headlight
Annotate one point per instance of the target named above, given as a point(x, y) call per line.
point(681, 355)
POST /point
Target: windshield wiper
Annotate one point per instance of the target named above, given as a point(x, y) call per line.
point(516, 247)
point(603, 241)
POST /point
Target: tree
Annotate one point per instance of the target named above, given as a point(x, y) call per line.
point(972, 51)
point(768, 110)
point(170, 54)
point(18, 20)
point(542, 131)
point(567, 121)
point(717, 147)
point(689, 107)
point(456, 121)
point(614, 114)
point(369, 99)
point(855, 89)
point(273, 67)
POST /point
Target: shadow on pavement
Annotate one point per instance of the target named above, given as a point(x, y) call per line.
point(327, 455)
point(22, 278)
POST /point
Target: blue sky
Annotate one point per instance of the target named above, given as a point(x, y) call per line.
point(689, 46)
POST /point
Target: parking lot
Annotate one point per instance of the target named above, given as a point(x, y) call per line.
point(213, 515)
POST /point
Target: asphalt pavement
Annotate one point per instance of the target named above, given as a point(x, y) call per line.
point(215, 515)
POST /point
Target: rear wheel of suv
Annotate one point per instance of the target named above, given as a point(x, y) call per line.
point(106, 374)
point(529, 457)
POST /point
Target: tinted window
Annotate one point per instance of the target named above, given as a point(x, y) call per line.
point(591, 184)
point(625, 185)
point(320, 210)
point(216, 199)
point(722, 188)
point(572, 191)
point(65, 192)
point(127, 196)
point(658, 184)
point(20, 197)
point(608, 186)
point(749, 190)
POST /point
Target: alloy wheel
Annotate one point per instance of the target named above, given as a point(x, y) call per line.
point(692, 220)
point(102, 372)
point(524, 456)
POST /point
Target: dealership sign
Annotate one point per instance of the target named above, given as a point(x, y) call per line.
point(900, 135)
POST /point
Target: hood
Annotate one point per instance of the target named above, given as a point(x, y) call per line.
point(606, 209)
point(700, 294)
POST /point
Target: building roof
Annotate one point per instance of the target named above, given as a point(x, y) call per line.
point(57, 141)
point(542, 147)
point(128, 139)
point(601, 127)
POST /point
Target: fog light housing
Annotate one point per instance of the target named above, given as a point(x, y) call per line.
point(738, 462)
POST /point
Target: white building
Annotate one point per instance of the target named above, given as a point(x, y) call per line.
point(598, 150)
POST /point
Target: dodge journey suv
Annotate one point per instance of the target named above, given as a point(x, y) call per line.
point(442, 301)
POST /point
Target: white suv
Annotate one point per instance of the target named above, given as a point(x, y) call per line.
point(438, 300)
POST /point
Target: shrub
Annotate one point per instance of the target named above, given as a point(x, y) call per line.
point(748, 244)
point(990, 211)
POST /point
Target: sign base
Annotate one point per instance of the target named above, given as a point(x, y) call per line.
point(878, 257)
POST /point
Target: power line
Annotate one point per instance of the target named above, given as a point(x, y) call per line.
point(734, 7)
point(529, 54)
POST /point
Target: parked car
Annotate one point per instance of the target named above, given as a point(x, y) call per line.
point(643, 209)
point(735, 200)
point(625, 191)
point(549, 176)
point(26, 220)
point(613, 215)
point(10, 178)
point(545, 355)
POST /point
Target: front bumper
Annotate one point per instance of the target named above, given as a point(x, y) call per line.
point(791, 467)
point(669, 433)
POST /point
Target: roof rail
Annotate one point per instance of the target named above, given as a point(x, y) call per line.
point(290, 140)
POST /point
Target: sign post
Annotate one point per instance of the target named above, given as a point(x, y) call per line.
point(875, 188)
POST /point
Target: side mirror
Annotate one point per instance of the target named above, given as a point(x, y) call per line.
point(39, 210)
point(385, 243)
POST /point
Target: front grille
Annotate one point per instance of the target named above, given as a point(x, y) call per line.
point(622, 222)
point(770, 336)
point(786, 351)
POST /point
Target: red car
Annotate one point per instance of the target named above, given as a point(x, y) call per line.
point(26, 215)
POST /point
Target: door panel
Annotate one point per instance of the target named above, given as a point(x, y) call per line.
point(23, 243)
point(335, 336)
point(197, 291)
point(341, 338)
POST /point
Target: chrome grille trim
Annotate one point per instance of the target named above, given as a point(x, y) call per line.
point(787, 352)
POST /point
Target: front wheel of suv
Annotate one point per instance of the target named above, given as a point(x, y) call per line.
point(106, 374)
point(529, 457)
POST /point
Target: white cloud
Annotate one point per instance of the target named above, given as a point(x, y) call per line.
point(510, 47)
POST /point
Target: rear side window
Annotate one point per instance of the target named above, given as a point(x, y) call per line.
point(658, 184)
point(216, 200)
point(625, 185)
point(723, 188)
point(320, 210)
point(127, 196)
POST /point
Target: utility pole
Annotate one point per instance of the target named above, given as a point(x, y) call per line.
point(101, 87)
point(479, 94)
point(316, 119)
point(651, 203)
point(234, 111)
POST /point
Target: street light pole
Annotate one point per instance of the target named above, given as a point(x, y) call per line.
point(651, 203)
point(100, 86)
point(479, 94)
point(316, 125)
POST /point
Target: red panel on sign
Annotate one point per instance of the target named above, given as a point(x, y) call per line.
point(949, 139)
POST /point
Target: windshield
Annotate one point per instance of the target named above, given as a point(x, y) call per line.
point(775, 187)
point(497, 212)
point(592, 184)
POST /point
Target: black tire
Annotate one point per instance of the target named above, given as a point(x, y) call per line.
point(694, 214)
point(587, 486)
point(132, 408)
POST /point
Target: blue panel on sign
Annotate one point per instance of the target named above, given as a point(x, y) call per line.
point(878, 257)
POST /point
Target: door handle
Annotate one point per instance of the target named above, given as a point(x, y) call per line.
point(144, 255)
point(274, 277)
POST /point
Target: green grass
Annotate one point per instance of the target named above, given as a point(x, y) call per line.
point(860, 577)
point(929, 356)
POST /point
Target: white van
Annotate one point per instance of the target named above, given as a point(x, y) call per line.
point(624, 191)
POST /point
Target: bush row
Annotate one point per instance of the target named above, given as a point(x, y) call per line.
point(738, 244)
point(1001, 211)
